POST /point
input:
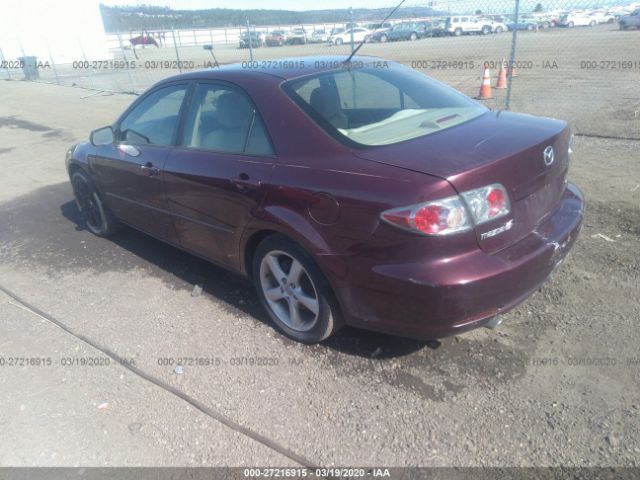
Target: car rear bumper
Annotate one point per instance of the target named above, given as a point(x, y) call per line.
point(446, 297)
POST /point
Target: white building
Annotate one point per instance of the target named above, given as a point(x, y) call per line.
point(65, 30)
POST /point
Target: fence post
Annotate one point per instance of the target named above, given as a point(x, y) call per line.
point(5, 65)
point(250, 42)
point(53, 64)
point(86, 62)
point(126, 63)
point(175, 45)
point(512, 56)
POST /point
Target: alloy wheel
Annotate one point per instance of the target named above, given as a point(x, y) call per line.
point(289, 291)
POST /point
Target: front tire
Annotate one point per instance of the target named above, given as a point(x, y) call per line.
point(498, 29)
point(339, 41)
point(413, 37)
point(293, 291)
point(98, 219)
point(457, 32)
point(383, 39)
point(486, 30)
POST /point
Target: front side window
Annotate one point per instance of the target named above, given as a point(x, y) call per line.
point(154, 120)
point(380, 106)
point(223, 119)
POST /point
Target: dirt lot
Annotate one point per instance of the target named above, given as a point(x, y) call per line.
point(557, 384)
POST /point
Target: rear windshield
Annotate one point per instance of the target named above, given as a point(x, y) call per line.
point(378, 105)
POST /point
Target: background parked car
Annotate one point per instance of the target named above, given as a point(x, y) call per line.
point(277, 38)
point(459, 25)
point(521, 24)
point(603, 16)
point(359, 34)
point(257, 39)
point(298, 36)
point(319, 36)
point(540, 21)
point(437, 28)
point(632, 20)
point(576, 19)
point(496, 27)
point(402, 31)
point(378, 26)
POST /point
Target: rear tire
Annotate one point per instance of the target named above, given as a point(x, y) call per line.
point(486, 30)
point(293, 291)
point(383, 39)
point(97, 216)
point(498, 29)
point(413, 37)
point(339, 41)
point(457, 32)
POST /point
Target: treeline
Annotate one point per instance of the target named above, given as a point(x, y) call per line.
point(148, 17)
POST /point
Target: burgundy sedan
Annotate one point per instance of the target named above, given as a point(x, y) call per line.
point(364, 194)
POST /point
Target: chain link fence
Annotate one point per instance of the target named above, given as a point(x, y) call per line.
point(560, 59)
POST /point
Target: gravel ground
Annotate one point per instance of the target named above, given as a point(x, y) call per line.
point(556, 384)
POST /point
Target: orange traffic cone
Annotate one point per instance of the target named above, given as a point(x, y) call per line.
point(514, 73)
point(502, 76)
point(485, 86)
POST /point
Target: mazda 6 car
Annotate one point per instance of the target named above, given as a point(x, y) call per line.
point(361, 193)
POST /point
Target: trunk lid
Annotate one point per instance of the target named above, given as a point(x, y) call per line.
point(498, 147)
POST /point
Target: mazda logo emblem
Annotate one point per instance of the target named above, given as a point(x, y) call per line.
point(548, 155)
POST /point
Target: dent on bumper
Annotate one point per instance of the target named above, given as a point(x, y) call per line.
point(456, 294)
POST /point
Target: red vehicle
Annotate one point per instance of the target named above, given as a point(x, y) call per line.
point(143, 40)
point(364, 194)
point(277, 38)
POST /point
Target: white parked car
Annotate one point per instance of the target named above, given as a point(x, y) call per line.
point(319, 36)
point(577, 19)
point(496, 27)
point(602, 16)
point(359, 34)
point(467, 24)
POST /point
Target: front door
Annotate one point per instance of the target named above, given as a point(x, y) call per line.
point(130, 171)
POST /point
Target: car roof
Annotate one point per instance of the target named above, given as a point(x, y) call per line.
point(284, 68)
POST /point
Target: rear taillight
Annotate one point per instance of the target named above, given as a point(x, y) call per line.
point(440, 217)
point(487, 203)
point(452, 214)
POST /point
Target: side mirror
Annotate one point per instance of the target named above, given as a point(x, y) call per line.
point(208, 47)
point(102, 136)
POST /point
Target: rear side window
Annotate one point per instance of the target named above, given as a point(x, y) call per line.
point(222, 118)
point(380, 106)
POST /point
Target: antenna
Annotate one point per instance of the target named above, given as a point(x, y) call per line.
point(355, 50)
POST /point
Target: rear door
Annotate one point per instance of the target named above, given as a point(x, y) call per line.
point(130, 171)
point(215, 179)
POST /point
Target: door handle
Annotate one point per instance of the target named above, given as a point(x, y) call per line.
point(243, 182)
point(151, 170)
point(128, 150)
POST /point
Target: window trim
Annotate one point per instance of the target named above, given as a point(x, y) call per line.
point(179, 140)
